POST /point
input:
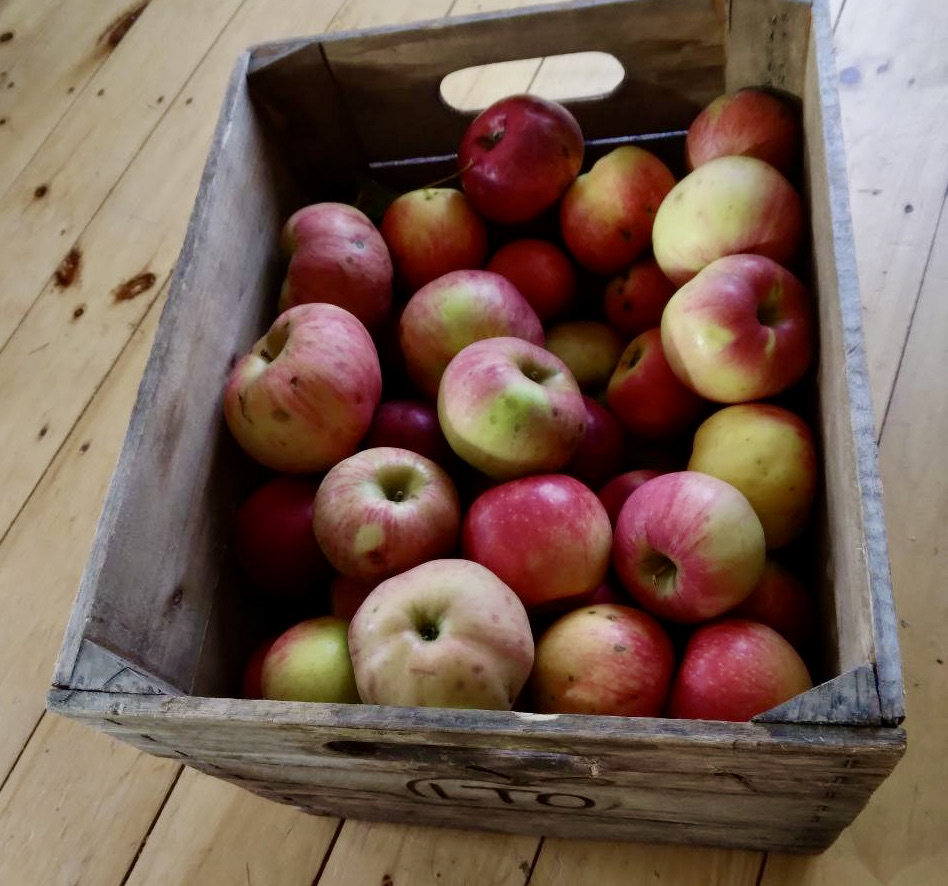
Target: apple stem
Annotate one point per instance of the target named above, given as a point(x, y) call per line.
point(448, 178)
point(399, 496)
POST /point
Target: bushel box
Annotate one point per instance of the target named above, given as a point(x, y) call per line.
point(160, 632)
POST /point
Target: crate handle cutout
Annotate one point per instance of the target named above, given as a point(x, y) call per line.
point(573, 76)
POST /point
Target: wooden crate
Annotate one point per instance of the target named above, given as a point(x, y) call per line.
point(160, 629)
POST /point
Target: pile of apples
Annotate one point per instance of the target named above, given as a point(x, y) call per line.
point(456, 401)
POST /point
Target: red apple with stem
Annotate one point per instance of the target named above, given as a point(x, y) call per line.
point(646, 395)
point(743, 329)
point(382, 511)
point(304, 396)
point(518, 157)
point(547, 536)
point(604, 659)
point(338, 256)
point(447, 633)
point(542, 273)
point(734, 669)
point(634, 300)
point(510, 408)
point(431, 232)
point(273, 538)
point(688, 547)
point(455, 310)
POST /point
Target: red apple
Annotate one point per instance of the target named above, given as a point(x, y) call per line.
point(752, 123)
point(347, 594)
point(382, 511)
point(431, 232)
point(251, 685)
point(273, 538)
point(541, 272)
point(781, 602)
point(605, 659)
point(518, 157)
point(589, 349)
point(447, 633)
point(410, 424)
point(735, 669)
point(646, 396)
point(688, 547)
point(452, 312)
point(727, 206)
point(614, 494)
point(304, 396)
point(606, 216)
point(310, 662)
point(634, 300)
point(768, 453)
point(601, 451)
point(742, 329)
point(337, 256)
point(546, 536)
point(510, 408)
point(607, 592)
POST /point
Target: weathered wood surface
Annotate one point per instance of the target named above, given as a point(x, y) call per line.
point(898, 839)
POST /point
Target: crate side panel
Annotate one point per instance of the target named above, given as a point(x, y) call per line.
point(672, 53)
point(150, 585)
point(767, 44)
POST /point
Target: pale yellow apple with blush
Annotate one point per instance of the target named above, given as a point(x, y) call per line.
point(589, 349)
point(767, 453)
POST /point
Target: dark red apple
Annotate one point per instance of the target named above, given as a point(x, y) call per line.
point(273, 538)
point(251, 685)
point(410, 424)
point(518, 157)
point(781, 602)
point(614, 494)
point(347, 594)
point(734, 669)
point(646, 396)
point(634, 300)
point(542, 273)
point(601, 451)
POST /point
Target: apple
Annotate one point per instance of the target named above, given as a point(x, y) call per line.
point(251, 684)
point(727, 206)
point(768, 453)
point(603, 659)
point(742, 329)
point(518, 156)
point(541, 272)
point(601, 451)
point(430, 232)
point(382, 511)
point(646, 396)
point(310, 662)
point(614, 494)
point(337, 256)
point(510, 408)
point(781, 602)
point(452, 312)
point(733, 670)
point(347, 594)
point(447, 633)
point(590, 350)
point(688, 547)
point(750, 122)
point(273, 538)
point(607, 592)
point(606, 216)
point(410, 424)
point(547, 536)
point(304, 396)
point(634, 300)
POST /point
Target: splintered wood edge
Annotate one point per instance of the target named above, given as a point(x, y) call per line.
point(888, 665)
point(74, 646)
point(850, 699)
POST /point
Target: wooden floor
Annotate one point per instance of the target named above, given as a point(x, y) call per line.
point(106, 111)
